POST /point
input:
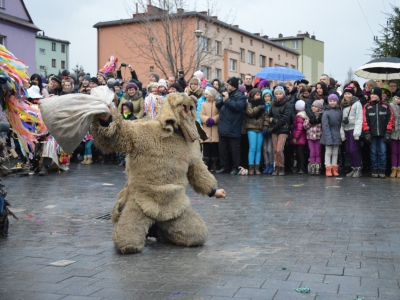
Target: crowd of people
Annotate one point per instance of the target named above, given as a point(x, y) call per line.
point(252, 124)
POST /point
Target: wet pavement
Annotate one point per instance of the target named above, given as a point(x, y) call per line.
point(339, 237)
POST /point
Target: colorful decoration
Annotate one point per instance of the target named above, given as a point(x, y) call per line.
point(110, 67)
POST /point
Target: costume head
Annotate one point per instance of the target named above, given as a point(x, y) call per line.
point(178, 113)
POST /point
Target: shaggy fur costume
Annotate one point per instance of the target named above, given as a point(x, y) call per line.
point(158, 197)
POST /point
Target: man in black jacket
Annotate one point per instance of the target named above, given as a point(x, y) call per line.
point(231, 107)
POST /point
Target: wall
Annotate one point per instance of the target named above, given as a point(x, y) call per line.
point(315, 50)
point(21, 42)
point(15, 8)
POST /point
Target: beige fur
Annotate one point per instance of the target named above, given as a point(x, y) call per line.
point(162, 159)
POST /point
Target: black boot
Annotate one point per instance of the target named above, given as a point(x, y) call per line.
point(215, 164)
point(44, 170)
point(207, 162)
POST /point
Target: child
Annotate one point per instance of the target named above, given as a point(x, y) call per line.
point(268, 149)
point(378, 123)
point(350, 130)
point(314, 132)
point(395, 138)
point(305, 93)
point(331, 121)
point(152, 102)
point(88, 140)
point(209, 116)
point(162, 88)
point(279, 127)
point(299, 138)
point(127, 114)
point(254, 123)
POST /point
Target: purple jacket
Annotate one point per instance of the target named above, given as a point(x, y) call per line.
point(298, 132)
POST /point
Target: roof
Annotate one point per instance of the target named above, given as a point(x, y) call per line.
point(18, 21)
point(52, 39)
point(285, 38)
point(192, 14)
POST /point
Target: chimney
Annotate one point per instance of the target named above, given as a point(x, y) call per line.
point(257, 34)
point(137, 8)
point(237, 26)
point(203, 12)
point(266, 37)
point(313, 37)
point(180, 10)
point(215, 17)
point(280, 35)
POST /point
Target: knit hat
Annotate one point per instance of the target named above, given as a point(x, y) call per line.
point(263, 84)
point(81, 74)
point(333, 97)
point(279, 88)
point(151, 85)
point(242, 88)
point(94, 80)
point(34, 92)
point(377, 91)
point(212, 92)
point(131, 85)
point(267, 91)
point(319, 104)
point(111, 80)
point(65, 73)
point(349, 89)
point(102, 75)
point(177, 86)
point(117, 84)
point(86, 77)
point(56, 78)
point(300, 105)
point(73, 77)
point(156, 76)
point(137, 82)
point(233, 81)
point(44, 80)
point(199, 74)
point(163, 83)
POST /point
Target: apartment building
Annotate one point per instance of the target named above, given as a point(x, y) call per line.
point(311, 50)
point(52, 55)
point(219, 49)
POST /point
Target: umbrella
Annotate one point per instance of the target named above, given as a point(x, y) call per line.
point(384, 68)
point(280, 74)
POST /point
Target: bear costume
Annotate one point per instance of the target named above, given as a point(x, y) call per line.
point(157, 196)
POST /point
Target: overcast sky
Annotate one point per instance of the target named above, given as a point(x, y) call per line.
point(340, 24)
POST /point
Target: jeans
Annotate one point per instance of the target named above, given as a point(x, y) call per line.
point(352, 148)
point(88, 147)
point(315, 151)
point(278, 141)
point(395, 145)
point(268, 151)
point(331, 155)
point(378, 153)
point(122, 157)
point(255, 145)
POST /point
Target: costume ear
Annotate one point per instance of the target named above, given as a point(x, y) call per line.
point(200, 130)
point(194, 99)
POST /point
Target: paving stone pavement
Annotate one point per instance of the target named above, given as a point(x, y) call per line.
point(340, 237)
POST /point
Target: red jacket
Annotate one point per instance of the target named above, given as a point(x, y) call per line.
point(377, 118)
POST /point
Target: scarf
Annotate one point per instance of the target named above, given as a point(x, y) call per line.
point(126, 115)
point(396, 112)
point(346, 103)
point(268, 104)
point(319, 97)
point(137, 96)
point(280, 102)
point(366, 93)
point(255, 103)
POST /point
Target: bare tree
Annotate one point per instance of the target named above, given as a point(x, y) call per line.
point(350, 76)
point(162, 35)
point(78, 69)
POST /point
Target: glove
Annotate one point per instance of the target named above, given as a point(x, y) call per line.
point(210, 122)
point(367, 137)
point(270, 129)
point(388, 136)
point(294, 141)
point(263, 107)
point(265, 132)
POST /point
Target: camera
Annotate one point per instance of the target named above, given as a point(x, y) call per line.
point(345, 120)
point(124, 65)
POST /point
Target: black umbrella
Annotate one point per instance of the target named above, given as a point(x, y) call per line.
point(384, 68)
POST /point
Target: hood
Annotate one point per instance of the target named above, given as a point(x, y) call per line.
point(386, 87)
point(302, 114)
point(178, 115)
point(129, 104)
point(221, 84)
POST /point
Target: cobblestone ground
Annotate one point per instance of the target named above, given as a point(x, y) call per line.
point(340, 237)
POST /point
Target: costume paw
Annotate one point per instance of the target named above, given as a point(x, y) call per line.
point(130, 249)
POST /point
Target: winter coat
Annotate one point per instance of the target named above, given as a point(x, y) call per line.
point(200, 102)
point(298, 132)
point(331, 121)
point(231, 114)
point(396, 116)
point(386, 87)
point(197, 93)
point(377, 118)
point(310, 101)
point(292, 98)
point(251, 122)
point(131, 117)
point(280, 112)
point(137, 102)
point(355, 119)
point(208, 110)
point(314, 131)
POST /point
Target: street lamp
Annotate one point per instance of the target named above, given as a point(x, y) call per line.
point(198, 34)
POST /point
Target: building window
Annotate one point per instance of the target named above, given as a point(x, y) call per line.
point(63, 48)
point(262, 61)
point(292, 56)
point(241, 38)
point(53, 63)
point(218, 29)
point(206, 71)
point(218, 73)
point(151, 68)
point(295, 44)
point(279, 57)
point(250, 57)
point(2, 5)
point(270, 48)
point(232, 65)
point(205, 25)
point(286, 54)
point(242, 76)
point(2, 40)
point(42, 68)
point(62, 64)
point(271, 62)
point(42, 51)
point(53, 46)
point(286, 65)
point(230, 41)
point(282, 44)
point(251, 42)
point(263, 46)
point(217, 48)
point(241, 54)
point(205, 44)
point(293, 67)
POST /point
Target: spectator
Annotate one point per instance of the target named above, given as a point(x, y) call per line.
point(175, 88)
point(248, 82)
point(154, 77)
point(369, 85)
point(171, 80)
point(379, 82)
point(386, 93)
point(102, 79)
point(320, 93)
point(93, 82)
point(395, 138)
point(218, 84)
point(68, 87)
point(134, 95)
point(299, 138)
point(56, 86)
point(181, 80)
point(85, 88)
point(268, 149)
point(393, 87)
point(36, 79)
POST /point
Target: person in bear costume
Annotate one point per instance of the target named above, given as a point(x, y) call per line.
point(158, 197)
